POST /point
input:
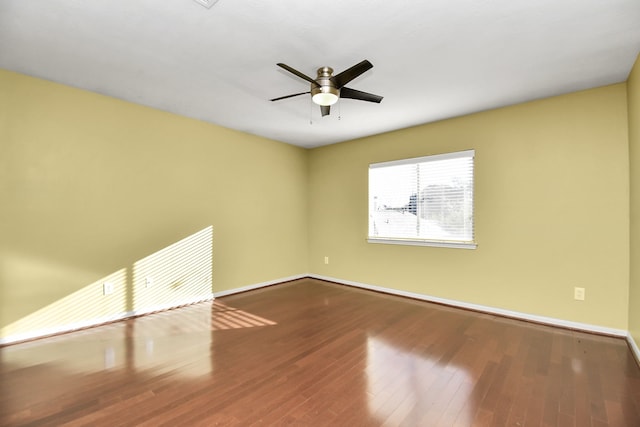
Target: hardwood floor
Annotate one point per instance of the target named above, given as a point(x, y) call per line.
point(312, 353)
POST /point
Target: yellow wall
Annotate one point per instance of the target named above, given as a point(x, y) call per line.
point(551, 210)
point(90, 185)
point(633, 95)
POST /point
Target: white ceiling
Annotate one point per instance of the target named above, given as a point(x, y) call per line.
point(432, 59)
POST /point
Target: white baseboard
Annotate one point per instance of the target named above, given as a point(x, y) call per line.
point(12, 339)
point(634, 347)
point(483, 308)
point(259, 285)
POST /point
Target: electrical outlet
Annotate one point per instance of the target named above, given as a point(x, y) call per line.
point(107, 288)
point(148, 282)
point(578, 294)
point(326, 260)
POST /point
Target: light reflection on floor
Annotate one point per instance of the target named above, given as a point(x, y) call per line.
point(404, 386)
point(161, 339)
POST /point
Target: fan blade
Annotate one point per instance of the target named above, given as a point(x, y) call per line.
point(325, 110)
point(349, 74)
point(297, 73)
point(289, 96)
point(346, 92)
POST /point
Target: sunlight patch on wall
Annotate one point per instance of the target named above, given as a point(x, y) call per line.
point(178, 274)
point(75, 310)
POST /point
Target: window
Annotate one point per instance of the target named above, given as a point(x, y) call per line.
point(423, 201)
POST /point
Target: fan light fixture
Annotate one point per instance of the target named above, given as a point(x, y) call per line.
point(325, 95)
point(325, 99)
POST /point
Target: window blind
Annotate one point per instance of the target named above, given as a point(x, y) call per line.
point(425, 200)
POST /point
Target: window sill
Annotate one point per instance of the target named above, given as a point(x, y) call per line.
point(433, 243)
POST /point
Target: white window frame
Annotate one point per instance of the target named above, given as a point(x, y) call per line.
point(421, 241)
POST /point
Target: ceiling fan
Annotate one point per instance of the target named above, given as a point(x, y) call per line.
point(327, 88)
